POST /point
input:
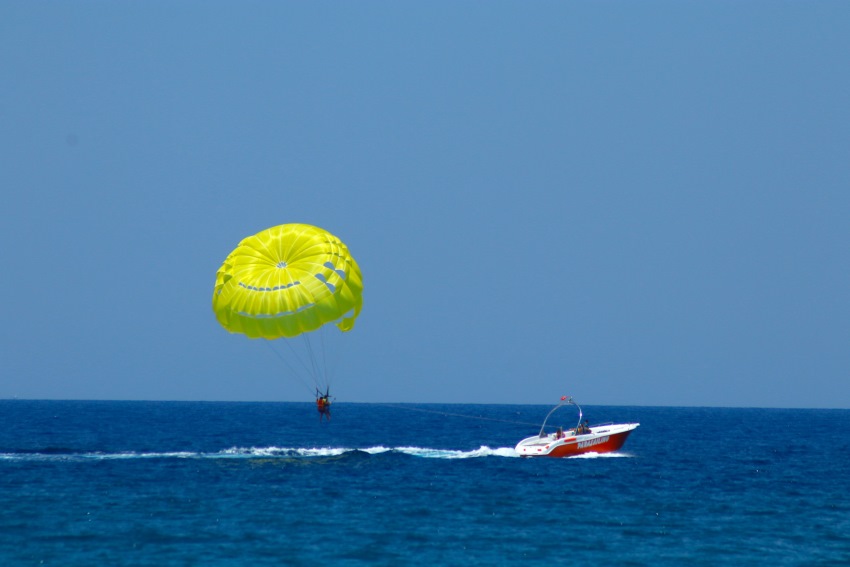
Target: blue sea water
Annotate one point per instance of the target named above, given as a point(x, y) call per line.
point(187, 483)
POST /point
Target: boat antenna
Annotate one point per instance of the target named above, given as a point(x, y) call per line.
point(564, 400)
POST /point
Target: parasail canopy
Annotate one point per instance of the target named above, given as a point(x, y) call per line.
point(288, 280)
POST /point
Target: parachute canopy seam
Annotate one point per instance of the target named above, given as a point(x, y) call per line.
point(274, 315)
point(275, 288)
point(348, 315)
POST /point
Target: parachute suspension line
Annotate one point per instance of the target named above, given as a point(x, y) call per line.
point(331, 344)
point(334, 344)
point(323, 348)
point(292, 370)
point(327, 371)
point(299, 357)
point(314, 370)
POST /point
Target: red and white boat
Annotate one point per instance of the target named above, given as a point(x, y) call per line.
point(603, 438)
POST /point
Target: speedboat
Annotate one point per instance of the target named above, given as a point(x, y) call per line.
point(603, 438)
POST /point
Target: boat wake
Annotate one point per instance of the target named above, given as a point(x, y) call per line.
point(614, 455)
point(424, 452)
point(258, 452)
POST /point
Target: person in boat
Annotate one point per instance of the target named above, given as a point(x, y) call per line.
point(583, 428)
point(323, 404)
point(559, 433)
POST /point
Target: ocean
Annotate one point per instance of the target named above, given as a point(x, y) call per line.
point(196, 483)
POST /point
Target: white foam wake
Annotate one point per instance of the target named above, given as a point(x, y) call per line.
point(264, 452)
point(97, 456)
point(425, 452)
point(614, 455)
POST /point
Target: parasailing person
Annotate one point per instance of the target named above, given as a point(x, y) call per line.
point(323, 404)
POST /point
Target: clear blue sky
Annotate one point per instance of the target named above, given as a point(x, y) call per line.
point(638, 203)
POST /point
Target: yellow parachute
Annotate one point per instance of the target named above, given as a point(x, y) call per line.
point(287, 281)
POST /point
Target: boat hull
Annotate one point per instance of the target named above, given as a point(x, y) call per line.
point(601, 439)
